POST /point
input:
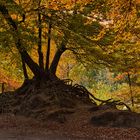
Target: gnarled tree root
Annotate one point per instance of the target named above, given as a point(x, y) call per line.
point(110, 102)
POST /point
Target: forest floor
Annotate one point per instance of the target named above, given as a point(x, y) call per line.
point(22, 128)
point(59, 111)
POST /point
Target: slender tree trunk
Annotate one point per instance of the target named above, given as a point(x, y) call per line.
point(8, 18)
point(25, 56)
point(68, 71)
point(40, 54)
point(56, 58)
point(2, 87)
point(130, 88)
point(48, 48)
point(24, 70)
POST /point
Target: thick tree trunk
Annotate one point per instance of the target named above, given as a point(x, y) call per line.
point(48, 48)
point(37, 71)
point(56, 58)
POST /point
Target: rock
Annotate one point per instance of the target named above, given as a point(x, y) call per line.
point(116, 118)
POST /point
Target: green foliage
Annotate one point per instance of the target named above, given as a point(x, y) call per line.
point(11, 66)
point(101, 90)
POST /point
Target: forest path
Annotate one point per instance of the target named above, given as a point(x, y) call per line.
point(12, 135)
point(21, 128)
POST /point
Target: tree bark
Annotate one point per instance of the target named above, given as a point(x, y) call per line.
point(56, 58)
point(130, 88)
point(25, 56)
point(24, 70)
point(37, 71)
point(8, 18)
point(2, 87)
point(48, 49)
point(40, 54)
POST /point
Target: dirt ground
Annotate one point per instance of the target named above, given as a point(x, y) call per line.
point(56, 111)
point(21, 128)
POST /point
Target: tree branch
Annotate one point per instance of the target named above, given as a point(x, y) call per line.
point(28, 60)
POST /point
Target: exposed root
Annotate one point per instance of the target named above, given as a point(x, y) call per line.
point(68, 81)
point(109, 102)
point(39, 98)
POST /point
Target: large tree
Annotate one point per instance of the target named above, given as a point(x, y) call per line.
point(87, 28)
point(90, 29)
point(26, 21)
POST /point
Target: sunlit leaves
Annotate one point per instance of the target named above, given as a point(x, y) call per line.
point(98, 32)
